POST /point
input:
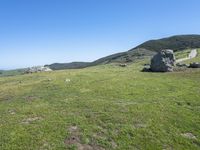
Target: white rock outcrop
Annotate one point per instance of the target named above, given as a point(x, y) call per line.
point(38, 69)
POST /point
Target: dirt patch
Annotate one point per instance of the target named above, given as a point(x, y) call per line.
point(45, 146)
point(140, 125)
point(75, 139)
point(30, 120)
point(6, 98)
point(114, 145)
point(30, 98)
point(85, 90)
point(167, 147)
point(188, 136)
point(180, 69)
point(102, 135)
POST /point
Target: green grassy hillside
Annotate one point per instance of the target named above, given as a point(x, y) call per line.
point(103, 107)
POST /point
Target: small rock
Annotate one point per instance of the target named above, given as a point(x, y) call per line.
point(140, 125)
point(188, 135)
point(146, 69)
point(182, 65)
point(73, 129)
point(67, 80)
point(123, 65)
point(195, 65)
point(30, 120)
point(12, 112)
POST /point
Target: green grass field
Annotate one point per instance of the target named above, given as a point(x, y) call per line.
point(103, 107)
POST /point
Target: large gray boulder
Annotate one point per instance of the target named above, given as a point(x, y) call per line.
point(163, 61)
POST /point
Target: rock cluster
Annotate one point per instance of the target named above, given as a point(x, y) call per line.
point(38, 69)
point(123, 65)
point(182, 65)
point(163, 61)
point(195, 65)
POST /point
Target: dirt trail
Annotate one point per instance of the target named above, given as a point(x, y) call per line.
point(192, 54)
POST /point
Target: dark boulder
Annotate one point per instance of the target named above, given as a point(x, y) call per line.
point(195, 65)
point(163, 61)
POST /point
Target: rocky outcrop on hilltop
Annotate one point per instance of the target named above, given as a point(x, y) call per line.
point(38, 69)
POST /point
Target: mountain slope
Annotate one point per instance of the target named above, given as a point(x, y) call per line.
point(147, 49)
point(179, 42)
point(125, 57)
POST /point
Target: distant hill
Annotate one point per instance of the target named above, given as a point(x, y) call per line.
point(147, 49)
point(11, 72)
point(73, 65)
point(124, 57)
point(179, 42)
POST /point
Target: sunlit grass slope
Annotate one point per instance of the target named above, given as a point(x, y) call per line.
point(103, 107)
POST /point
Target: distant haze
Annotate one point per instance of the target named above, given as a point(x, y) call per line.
point(39, 32)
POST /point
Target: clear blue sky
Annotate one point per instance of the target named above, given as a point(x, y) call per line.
point(38, 32)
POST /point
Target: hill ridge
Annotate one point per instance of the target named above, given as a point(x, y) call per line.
point(146, 49)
